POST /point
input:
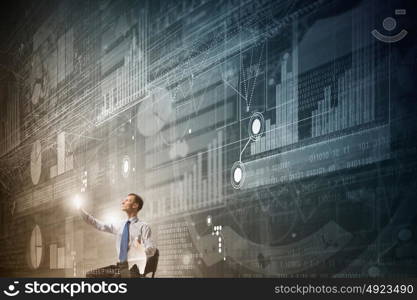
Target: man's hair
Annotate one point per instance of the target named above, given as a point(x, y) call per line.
point(138, 199)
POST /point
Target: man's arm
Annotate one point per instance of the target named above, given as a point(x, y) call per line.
point(107, 227)
point(147, 241)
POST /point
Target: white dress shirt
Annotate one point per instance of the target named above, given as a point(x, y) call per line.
point(138, 230)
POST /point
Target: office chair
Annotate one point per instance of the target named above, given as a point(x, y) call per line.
point(151, 264)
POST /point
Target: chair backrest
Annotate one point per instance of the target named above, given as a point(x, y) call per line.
point(152, 264)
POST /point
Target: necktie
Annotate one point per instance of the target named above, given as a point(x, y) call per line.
point(124, 243)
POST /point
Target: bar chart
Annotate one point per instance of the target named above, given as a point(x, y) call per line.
point(285, 130)
point(198, 188)
point(355, 100)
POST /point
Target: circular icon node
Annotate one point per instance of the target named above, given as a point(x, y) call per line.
point(238, 174)
point(126, 166)
point(405, 234)
point(256, 126)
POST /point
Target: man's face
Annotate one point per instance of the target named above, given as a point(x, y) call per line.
point(129, 204)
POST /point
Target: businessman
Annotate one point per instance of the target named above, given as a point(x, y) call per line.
point(129, 234)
